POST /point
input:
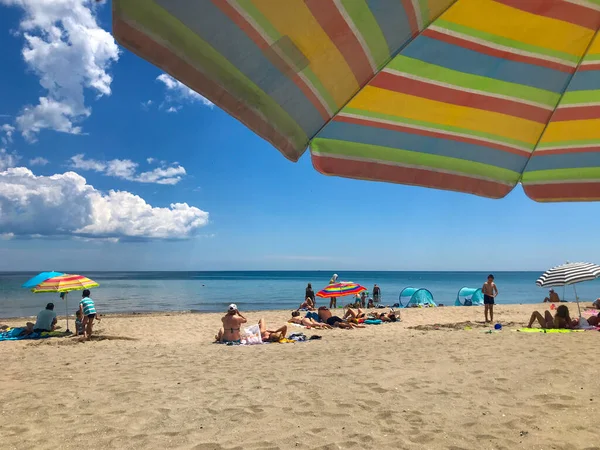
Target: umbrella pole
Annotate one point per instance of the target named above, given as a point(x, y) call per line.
point(577, 299)
point(67, 310)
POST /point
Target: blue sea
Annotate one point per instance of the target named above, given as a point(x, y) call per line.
point(213, 291)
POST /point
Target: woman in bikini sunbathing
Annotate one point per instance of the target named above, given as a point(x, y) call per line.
point(562, 319)
point(354, 314)
point(271, 335)
point(392, 316)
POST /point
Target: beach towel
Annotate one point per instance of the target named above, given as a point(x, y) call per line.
point(543, 330)
point(372, 322)
point(13, 334)
point(253, 336)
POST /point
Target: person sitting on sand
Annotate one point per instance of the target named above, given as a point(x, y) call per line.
point(596, 304)
point(562, 319)
point(334, 321)
point(271, 335)
point(46, 319)
point(370, 304)
point(552, 298)
point(307, 305)
point(305, 321)
point(232, 321)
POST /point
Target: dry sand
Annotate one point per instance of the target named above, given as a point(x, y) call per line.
point(157, 381)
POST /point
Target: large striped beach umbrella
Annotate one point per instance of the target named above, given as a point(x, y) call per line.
point(341, 289)
point(472, 96)
point(65, 284)
point(569, 274)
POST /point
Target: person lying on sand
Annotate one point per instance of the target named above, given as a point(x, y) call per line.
point(232, 322)
point(552, 297)
point(305, 321)
point(594, 321)
point(308, 304)
point(562, 319)
point(271, 335)
point(391, 316)
point(334, 321)
point(354, 314)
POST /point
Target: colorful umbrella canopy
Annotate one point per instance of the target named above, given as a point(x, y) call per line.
point(40, 277)
point(472, 96)
point(341, 289)
point(65, 283)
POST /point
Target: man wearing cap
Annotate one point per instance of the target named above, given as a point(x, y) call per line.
point(232, 322)
point(553, 298)
point(46, 319)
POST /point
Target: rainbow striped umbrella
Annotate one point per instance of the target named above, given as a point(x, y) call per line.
point(65, 283)
point(341, 289)
point(447, 94)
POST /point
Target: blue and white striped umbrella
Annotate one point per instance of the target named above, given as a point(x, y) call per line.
point(569, 273)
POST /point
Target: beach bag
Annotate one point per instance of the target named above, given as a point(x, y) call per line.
point(253, 335)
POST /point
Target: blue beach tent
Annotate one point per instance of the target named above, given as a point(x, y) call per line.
point(411, 297)
point(469, 297)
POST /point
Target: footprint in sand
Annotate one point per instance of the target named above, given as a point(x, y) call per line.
point(423, 438)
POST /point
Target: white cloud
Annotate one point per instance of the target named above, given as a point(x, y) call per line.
point(79, 162)
point(65, 205)
point(127, 170)
point(8, 160)
point(167, 175)
point(38, 161)
point(8, 131)
point(177, 92)
point(121, 168)
point(66, 48)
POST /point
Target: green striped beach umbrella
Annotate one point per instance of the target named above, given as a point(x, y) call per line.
point(473, 96)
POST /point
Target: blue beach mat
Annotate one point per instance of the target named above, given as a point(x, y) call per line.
point(13, 334)
point(372, 322)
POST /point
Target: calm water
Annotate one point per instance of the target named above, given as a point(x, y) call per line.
point(213, 291)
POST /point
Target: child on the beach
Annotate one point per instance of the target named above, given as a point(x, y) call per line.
point(78, 323)
point(490, 292)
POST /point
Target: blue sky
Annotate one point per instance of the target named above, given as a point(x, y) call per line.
point(246, 207)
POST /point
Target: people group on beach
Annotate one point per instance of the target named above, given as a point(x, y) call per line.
point(307, 315)
point(46, 320)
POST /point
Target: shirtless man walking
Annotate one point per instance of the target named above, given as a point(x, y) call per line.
point(490, 292)
point(232, 321)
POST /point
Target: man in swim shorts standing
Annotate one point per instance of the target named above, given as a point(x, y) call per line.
point(490, 292)
point(232, 322)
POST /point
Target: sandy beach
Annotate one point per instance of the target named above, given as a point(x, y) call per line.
point(157, 381)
